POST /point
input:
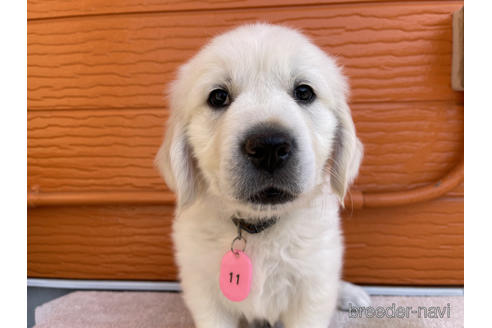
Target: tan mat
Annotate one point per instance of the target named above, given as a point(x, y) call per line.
point(157, 310)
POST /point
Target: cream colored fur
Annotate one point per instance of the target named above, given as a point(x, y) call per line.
point(297, 262)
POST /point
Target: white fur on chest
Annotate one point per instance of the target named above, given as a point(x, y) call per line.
point(303, 250)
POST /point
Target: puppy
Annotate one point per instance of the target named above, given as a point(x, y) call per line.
point(260, 149)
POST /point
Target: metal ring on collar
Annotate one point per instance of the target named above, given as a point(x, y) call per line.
point(236, 239)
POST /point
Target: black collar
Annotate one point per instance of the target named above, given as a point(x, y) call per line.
point(254, 227)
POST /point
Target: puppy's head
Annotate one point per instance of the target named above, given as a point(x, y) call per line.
point(259, 118)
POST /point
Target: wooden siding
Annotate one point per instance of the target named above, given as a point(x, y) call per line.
point(97, 72)
point(405, 245)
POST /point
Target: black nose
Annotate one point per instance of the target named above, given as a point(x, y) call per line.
point(268, 150)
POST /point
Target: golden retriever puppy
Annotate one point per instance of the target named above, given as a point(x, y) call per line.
point(260, 149)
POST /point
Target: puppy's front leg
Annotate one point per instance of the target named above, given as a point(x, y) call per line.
point(311, 310)
point(352, 295)
point(206, 310)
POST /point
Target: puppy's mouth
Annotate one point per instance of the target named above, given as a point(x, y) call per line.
point(271, 196)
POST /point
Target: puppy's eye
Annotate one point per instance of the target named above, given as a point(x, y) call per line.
point(218, 98)
point(304, 94)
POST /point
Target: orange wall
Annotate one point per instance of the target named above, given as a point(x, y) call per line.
point(96, 75)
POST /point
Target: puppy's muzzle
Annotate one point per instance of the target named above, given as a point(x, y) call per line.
point(270, 151)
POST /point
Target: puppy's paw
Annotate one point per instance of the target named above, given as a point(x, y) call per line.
point(352, 294)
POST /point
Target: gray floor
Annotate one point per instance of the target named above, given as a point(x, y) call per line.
point(120, 308)
point(45, 290)
point(37, 296)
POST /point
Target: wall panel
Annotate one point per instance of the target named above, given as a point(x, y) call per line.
point(397, 52)
point(416, 245)
point(97, 75)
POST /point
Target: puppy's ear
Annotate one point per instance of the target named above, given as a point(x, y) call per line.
point(347, 153)
point(175, 162)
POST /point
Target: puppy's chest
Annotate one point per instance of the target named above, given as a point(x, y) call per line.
point(282, 258)
point(276, 275)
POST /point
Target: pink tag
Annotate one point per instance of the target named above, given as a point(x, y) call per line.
point(235, 275)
